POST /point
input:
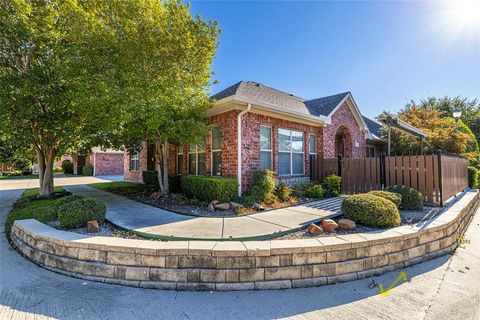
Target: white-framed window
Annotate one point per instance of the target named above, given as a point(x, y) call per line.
point(265, 147)
point(312, 144)
point(180, 159)
point(196, 159)
point(216, 151)
point(290, 152)
point(134, 160)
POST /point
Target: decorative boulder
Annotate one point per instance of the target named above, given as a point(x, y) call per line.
point(214, 202)
point(222, 206)
point(258, 207)
point(92, 226)
point(234, 205)
point(314, 229)
point(329, 225)
point(210, 208)
point(346, 224)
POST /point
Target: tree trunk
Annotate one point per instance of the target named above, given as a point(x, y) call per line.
point(161, 161)
point(75, 162)
point(45, 168)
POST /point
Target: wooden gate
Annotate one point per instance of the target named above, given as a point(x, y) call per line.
point(438, 177)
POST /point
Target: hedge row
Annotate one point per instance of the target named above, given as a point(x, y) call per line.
point(209, 188)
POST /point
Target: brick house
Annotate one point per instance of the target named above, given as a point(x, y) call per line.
point(104, 162)
point(257, 127)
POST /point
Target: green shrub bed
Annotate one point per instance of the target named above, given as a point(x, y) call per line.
point(28, 206)
point(371, 210)
point(473, 177)
point(67, 167)
point(76, 213)
point(396, 198)
point(315, 191)
point(209, 188)
point(150, 178)
point(87, 170)
point(175, 183)
point(262, 185)
point(411, 198)
point(332, 185)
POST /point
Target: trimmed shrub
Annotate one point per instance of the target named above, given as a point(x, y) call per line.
point(315, 191)
point(75, 214)
point(175, 183)
point(150, 178)
point(396, 198)
point(87, 170)
point(209, 188)
point(262, 185)
point(68, 199)
point(473, 177)
point(371, 210)
point(67, 167)
point(411, 198)
point(283, 192)
point(332, 185)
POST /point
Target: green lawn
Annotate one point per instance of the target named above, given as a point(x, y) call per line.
point(42, 210)
point(28, 176)
point(108, 186)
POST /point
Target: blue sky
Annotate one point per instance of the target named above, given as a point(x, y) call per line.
point(385, 53)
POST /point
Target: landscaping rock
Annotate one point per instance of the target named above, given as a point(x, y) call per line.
point(210, 208)
point(234, 205)
point(214, 202)
point(329, 225)
point(258, 207)
point(222, 206)
point(314, 229)
point(346, 224)
point(92, 226)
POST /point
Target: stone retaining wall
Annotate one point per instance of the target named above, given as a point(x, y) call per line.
point(248, 265)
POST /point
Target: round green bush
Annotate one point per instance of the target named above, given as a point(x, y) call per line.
point(262, 185)
point(283, 192)
point(411, 198)
point(67, 166)
point(87, 170)
point(68, 199)
point(473, 177)
point(315, 191)
point(332, 185)
point(371, 210)
point(75, 214)
point(396, 198)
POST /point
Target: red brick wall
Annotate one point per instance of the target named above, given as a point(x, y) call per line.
point(251, 143)
point(108, 163)
point(344, 117)
point(137, 174)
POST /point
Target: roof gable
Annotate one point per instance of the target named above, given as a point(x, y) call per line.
point(324, 106)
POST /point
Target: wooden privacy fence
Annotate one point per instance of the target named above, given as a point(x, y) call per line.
point(438, 177)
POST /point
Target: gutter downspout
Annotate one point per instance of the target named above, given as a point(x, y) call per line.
point(239, 148)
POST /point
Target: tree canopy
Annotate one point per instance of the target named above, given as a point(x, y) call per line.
point(80, 73)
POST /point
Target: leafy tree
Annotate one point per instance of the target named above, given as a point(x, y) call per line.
point(443, 134)
point(470, 110)
point(164, 73)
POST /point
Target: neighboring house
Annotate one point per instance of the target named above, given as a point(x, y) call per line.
point(257, 127)
point(104, 162)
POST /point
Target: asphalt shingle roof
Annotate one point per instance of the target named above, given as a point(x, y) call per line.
point(324, 106)
point(374, 127)
point(259, 92)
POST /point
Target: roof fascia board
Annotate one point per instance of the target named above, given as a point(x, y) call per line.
point(220, 107)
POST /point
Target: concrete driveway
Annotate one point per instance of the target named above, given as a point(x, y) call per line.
point(444, 288)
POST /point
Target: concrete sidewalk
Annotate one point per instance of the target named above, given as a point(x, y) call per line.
point(152, 222)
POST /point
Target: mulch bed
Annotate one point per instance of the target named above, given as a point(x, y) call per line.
point(180, 204)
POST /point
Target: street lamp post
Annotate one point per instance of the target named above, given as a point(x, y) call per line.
point(457, 113)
